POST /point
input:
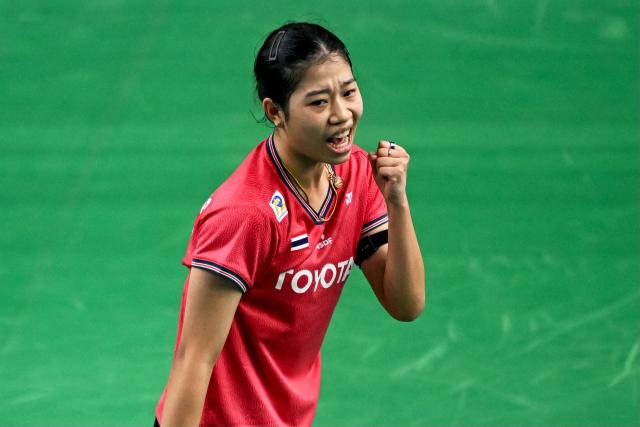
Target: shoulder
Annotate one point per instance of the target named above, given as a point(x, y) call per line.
point(236, 224)
point(357, 166)
point(249, 183)
point(246, 194)
point(230, 212)
point(358, 154)
point(359, 159)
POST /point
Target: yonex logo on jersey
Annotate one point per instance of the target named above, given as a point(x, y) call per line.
point(349, 197)
point(302, 280)
point(299, 242)
point(278, 205)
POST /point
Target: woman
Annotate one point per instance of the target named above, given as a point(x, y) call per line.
point(273, 246)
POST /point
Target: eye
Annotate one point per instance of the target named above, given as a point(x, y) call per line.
point(318, 102)
point(350, 92)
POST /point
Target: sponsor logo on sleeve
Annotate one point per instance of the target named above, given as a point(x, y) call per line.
point(278, 206)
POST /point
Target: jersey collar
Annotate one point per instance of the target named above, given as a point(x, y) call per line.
point(317, 217)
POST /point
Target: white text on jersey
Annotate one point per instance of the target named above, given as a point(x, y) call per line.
point(324, 242)
point(329, 274)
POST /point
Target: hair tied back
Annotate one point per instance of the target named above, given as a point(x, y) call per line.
point(273, 52)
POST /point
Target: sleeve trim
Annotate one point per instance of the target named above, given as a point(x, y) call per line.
point(373, 224)
point(223, 271)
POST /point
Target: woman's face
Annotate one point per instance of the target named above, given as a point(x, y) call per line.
point(324, 110)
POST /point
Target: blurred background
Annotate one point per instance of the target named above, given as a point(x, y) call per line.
point(118, 119)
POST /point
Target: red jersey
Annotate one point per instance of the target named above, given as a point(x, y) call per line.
point(259, 232)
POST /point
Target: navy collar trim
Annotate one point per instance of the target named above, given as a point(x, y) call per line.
point(317, 217)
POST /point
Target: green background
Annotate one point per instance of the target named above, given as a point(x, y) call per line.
point(118, 118)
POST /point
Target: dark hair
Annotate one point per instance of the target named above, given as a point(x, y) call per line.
point(287, 53)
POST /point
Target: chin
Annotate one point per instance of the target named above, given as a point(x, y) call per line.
point(343, 158)
point(336, 159)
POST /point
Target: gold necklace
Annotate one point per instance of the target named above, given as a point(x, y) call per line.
point(335, 182)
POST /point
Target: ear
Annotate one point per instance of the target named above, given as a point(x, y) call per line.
point(273, 112)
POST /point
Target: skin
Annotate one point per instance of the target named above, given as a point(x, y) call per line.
point(211, 304)
point(301, 135)
point(395, 272)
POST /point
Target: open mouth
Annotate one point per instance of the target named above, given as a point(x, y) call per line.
point(341, 140)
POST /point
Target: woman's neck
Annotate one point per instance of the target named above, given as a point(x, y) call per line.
point(308, 173)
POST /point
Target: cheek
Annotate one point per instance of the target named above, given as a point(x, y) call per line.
point(309, 126)
point(313, 122)
point(358, 108)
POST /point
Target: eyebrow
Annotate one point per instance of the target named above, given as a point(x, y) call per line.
point(327, 90)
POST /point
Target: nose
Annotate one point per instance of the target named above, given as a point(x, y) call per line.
point(339, 112)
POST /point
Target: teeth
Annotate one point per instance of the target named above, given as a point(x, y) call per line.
point(342, 135)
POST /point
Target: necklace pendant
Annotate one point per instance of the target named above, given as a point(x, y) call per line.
point(334, 180)
point(337, 181)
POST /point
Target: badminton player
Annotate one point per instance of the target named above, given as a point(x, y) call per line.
point(274, 245)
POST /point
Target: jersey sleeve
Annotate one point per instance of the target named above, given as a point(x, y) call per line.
point(376, 209)
point(235, 243)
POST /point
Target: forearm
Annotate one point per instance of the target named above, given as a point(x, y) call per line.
point(211, 305)
point(403, 284)
point(186, 392)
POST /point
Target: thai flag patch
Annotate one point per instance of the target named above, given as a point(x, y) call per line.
point(299, 242)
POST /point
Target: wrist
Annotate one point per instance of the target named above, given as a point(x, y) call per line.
point(399, 201)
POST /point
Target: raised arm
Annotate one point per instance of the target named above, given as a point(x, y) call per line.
point(396, 270)
point(211, 304)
